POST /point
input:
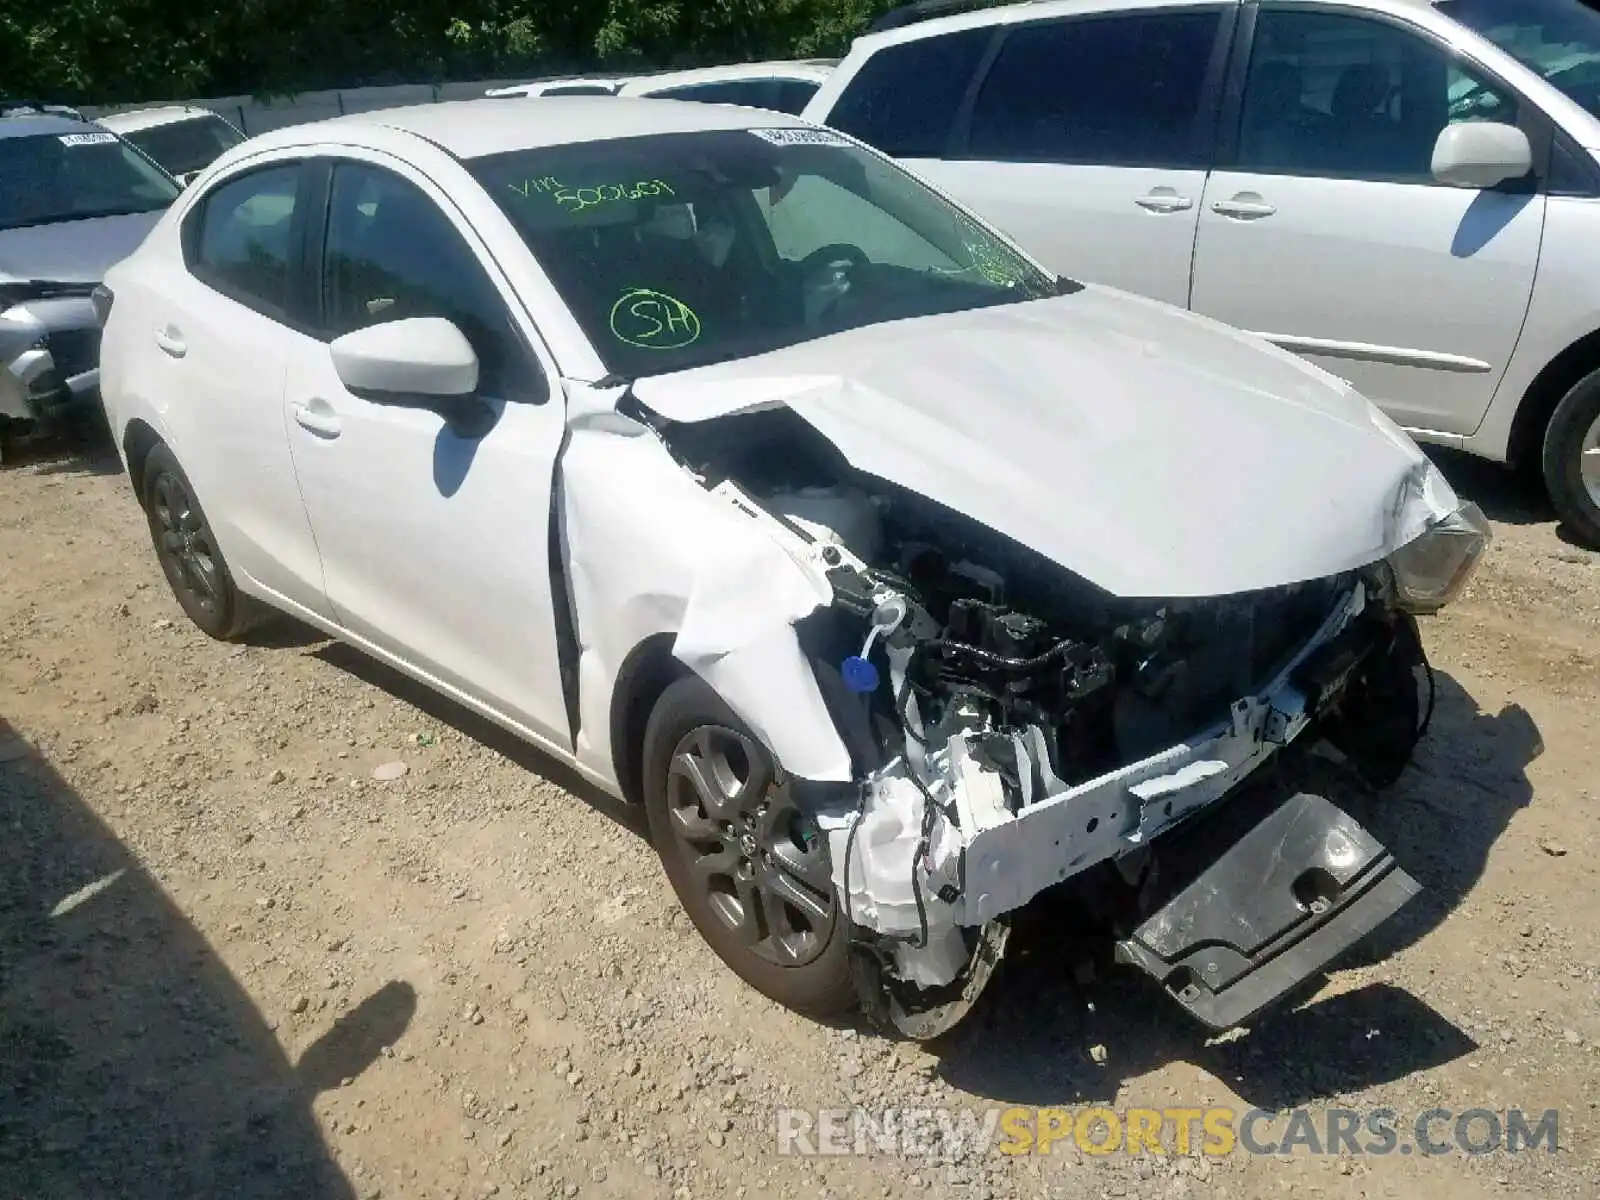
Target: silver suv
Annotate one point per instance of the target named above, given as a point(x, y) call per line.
point(1405, 192)
point(74, 199)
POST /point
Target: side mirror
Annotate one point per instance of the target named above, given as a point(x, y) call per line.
point(415, 362)
point(1481, 154)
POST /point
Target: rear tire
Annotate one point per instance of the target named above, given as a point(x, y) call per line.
point(754, 879)
point(10, 430)
point(1572, 460)
point(188, 553)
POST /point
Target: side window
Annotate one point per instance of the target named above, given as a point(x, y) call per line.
point(242, 244)
point(391, 253)
point(904, 99)
point(1118, 91)
point(809, 213)
point(1348, 97)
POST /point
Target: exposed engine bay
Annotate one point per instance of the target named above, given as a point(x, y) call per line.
point(1012, 726)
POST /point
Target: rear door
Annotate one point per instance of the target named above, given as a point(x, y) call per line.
point(1324, 230)
point(220, 333)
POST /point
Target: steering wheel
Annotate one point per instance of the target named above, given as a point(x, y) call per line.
point(825, 277)
point(833, 254)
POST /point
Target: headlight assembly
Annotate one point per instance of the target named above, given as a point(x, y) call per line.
point(1431, 570)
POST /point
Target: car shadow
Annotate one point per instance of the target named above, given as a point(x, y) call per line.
point(469, 724)
point(1061, 1025)
point(1512, 497)
point(1490, 212)
point(284, 632)
point(1446, 813)
point(1509, 496)
point(57, 456)
point(134, 1065)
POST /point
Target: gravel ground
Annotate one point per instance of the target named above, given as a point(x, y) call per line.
point(242, 953)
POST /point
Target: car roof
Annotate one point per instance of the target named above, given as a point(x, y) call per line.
point(32, 124)
point(985, 15)
point(731, 72)
point(134, 119)
point(791, 68)
point(473, 128)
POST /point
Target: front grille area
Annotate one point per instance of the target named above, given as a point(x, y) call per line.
point(74, 351)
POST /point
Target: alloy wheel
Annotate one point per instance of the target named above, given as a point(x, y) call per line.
point(1589, 461)
point(185, 542)
point(761, 863)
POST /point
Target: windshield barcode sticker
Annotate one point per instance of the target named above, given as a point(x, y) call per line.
point(794, 136)
point(87, 139)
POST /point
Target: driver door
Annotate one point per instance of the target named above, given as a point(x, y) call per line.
point(434, 532)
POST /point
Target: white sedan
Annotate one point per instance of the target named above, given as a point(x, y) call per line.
point(784, 86)
point(898, 578)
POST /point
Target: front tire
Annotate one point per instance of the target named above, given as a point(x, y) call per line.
point(189, 555)
point(751, 872)
point(1572, 459)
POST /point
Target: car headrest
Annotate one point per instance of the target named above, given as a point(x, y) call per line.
point(1362, 89)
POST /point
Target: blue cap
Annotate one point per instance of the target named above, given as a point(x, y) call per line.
point(859, 674)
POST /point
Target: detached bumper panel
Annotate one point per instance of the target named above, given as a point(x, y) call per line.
point(1293, 893)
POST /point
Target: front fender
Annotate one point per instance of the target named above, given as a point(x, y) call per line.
point(648, 552)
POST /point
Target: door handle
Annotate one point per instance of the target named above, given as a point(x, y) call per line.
point(1164, 200)
point(317, 417)
point(171, 342)
point(1247, 206)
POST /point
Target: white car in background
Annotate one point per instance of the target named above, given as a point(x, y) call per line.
point(785, 86)
point(899, 578)
point(181, 138)
point(1407, 192)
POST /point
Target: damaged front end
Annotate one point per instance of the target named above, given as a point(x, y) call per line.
point(1013, 728)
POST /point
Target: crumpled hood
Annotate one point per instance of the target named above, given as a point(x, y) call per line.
point(1151, 451)
point(72, 251)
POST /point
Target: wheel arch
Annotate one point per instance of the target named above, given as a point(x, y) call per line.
point(1525, 445)
point(138, 440)
point(647, 671)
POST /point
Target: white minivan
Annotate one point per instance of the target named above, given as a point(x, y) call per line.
point(1405, 191)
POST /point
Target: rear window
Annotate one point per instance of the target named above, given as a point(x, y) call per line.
point(783, 95)
point(186, 145)
point(904, 99)
point(751, 93)
point(793, 95)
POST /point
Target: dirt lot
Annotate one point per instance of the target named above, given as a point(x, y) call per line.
point(289, 978)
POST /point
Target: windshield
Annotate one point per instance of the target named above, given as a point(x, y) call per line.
point(46, 178)
point(187, 145)
point(1559, 39)
point(678, 250)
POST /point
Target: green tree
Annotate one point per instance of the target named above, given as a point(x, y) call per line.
point(108, 51)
